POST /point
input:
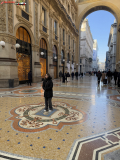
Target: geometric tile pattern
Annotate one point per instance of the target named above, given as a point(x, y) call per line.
point(92, 148)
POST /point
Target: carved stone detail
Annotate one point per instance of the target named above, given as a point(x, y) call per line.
point(2, 17)
point(10, 18)
point(36, 23)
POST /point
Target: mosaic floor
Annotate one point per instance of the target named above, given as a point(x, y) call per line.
point(84, 123)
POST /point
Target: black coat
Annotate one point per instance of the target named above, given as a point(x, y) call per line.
point(115, 75)
point(47, 86)
point(30, 75)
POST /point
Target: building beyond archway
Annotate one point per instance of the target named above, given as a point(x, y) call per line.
point(85, 7)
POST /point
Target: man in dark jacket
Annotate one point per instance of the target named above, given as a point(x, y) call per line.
point(72, 74)
point(29, 78)
point(48, 92)
point(99, 75)
point(76, 74)
point(109, 75)
point(60, 75)
point(115, 74)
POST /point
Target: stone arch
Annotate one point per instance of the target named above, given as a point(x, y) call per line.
point(27, 28)
point(110, 7)
point(45, 40)
point(101, 5)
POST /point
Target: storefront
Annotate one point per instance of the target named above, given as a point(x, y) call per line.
point(43, 57)
point(23, 54)
point(55, 61)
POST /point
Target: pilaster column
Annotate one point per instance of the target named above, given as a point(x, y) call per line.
point(8, 62)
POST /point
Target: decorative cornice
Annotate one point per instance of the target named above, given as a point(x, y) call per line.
point(21, 19)
point(66, 15)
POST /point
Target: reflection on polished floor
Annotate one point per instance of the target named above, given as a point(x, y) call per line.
point(84, 125)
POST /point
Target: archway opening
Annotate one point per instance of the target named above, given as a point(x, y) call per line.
point(43, 57)
point(23, 54)
point(97, 38)
point(55, 61)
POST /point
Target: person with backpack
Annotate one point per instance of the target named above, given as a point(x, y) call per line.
point(48, 92)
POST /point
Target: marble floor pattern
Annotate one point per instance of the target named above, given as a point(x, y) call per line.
point(84, 125)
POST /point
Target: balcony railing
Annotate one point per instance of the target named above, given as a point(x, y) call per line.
point(56, 37)
point(44, 29)
point(25, 15)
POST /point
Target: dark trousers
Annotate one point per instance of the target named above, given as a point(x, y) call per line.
point(98, 81)
point(29, 82)
point(115, 81)
point(118, 82)
point(48, 101)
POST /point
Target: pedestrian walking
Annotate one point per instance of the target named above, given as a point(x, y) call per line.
point(72, 74)
point(99, 77)
point(115, 74)
point(66, 75)
point(76, 74)
point(48, 92)
point(29, 78)
point(109, 75)
point(60, 75)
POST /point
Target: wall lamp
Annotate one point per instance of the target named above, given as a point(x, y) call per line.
point(16, 46)
point(42, 53)
point(2, 43)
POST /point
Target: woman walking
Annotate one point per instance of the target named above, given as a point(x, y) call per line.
point(48, 92)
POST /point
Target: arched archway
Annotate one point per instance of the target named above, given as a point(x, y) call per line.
point(23, 54)
point(85, 8)
point(43, 57)
point(55, 60)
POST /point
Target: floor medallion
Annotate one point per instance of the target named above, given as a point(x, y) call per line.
point(32, 118)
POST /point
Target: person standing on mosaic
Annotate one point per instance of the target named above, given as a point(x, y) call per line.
point(48, 92)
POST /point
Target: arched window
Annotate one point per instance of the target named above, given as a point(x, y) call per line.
point(43, 48)
point(54, 53)
point(23, 35)
point(62, 56)
point(23, 54)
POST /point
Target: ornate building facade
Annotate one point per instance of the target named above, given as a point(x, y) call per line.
point(47, 35)
point(86, 47)
point(111, 54)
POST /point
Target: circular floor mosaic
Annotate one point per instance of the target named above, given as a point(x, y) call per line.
point(32, 118)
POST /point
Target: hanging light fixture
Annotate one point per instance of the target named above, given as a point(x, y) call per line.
point(63, 60)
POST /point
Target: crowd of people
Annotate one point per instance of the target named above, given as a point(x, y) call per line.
point(64, 77)
point(106, 77)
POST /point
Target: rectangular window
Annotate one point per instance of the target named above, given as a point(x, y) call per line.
point(63, 35)
point(73, 44)
point(69, 40)
point(43, 17)
point(80, 60)
point(55, 27)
